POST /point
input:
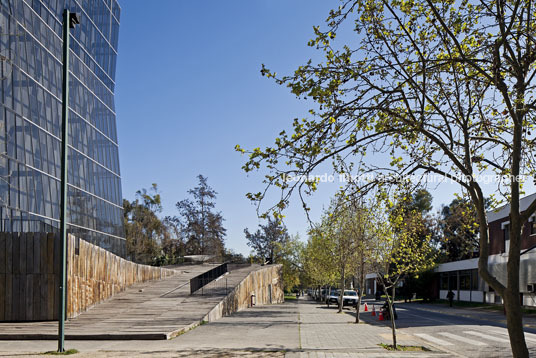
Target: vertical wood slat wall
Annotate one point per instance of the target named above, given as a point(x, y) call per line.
point(29, 276)
point(29, 272)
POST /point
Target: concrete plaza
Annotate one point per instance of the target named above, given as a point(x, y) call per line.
point(306, 328)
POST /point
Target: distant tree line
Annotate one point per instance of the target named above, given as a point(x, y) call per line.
point(196, 230)
point(272, 244)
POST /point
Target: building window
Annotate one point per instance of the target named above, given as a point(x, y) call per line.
point(506, 233)
point(453, 281)
point(474, 280)
point(444, 281)
point(465, 280)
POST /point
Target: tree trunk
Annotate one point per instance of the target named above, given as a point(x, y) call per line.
point(512, 305)
point(341, 295)
point(357, 309)
point(361, 288)
point(390, 301)
point(510, 294)
point(514, 317)
point(514, 322)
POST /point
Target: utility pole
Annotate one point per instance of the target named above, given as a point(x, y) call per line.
point(69, 21)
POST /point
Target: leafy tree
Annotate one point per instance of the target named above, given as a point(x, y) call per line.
point(318, 265)
point(413, 207)
point(273, 244)
point(289, 254)
point(201, 227)
point(422, 284)
point(143, 228)
point(343, 245)
point(459, 230)
point(266, 239)
point(359, 229)
point(398, 250)
point(173, 244)
point(421, 201)
point(444, 88)
point(353, 215)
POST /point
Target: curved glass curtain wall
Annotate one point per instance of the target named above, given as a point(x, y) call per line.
point(30, 120)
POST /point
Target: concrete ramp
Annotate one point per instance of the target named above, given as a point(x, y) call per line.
point(148, 311)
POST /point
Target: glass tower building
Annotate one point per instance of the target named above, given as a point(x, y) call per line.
point(30, 120)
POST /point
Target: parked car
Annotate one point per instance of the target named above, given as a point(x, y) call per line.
point(332, 297)
point(323, 294)
point(318, 294)
point(349, 298)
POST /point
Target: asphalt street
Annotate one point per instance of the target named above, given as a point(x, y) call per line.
point(460, 332)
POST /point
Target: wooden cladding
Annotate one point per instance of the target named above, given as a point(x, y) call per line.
point(29, 273)
point(94, 274)
point(29, 276)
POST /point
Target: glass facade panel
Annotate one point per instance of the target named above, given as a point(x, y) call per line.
point(30, 120)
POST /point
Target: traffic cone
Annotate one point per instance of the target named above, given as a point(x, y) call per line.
point(380, 316)
point(373, 310)
point(366, 307)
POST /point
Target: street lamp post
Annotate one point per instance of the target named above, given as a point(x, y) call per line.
point(69, 21)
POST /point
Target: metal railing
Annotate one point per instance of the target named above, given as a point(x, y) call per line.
point(217, 287)
point(205, 278)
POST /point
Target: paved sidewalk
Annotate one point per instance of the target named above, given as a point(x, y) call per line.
point(262, 331)
point(326, 333)
point(151, 310)
point(294, 329)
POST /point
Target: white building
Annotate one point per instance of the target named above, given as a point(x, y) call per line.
point(462, 276)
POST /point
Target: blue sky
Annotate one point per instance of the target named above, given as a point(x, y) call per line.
point(188, 89)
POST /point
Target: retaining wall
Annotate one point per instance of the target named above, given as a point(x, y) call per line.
point(29, 276)
point(94, 274)
point(266, 284)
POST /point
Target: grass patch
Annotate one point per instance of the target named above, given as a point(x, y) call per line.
point(203, 322)
point(289, 297)
point(66, 353)
point(399, 347)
